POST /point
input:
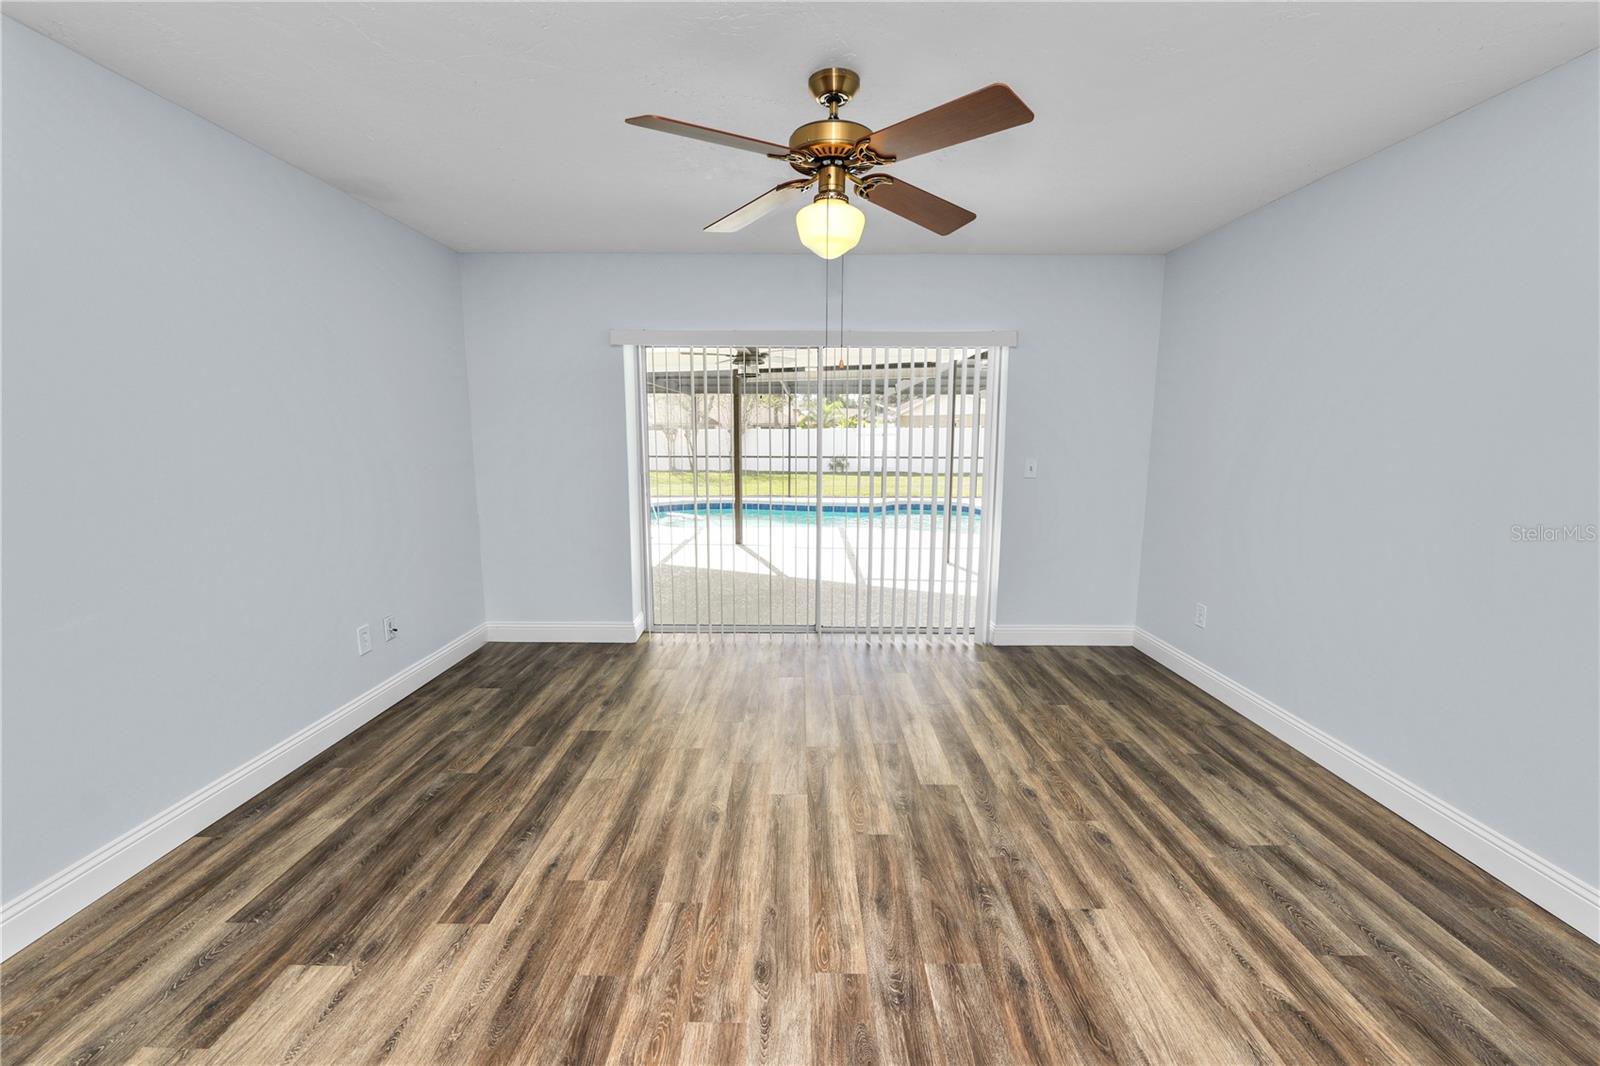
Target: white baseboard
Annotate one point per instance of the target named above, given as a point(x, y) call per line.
point(56, 899)
point(1062, 636)
point(567, 632)
point(1561, 893)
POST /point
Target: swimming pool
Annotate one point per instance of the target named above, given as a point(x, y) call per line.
point(913, 513)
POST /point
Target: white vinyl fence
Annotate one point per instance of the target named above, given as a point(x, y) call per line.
point(847, 449)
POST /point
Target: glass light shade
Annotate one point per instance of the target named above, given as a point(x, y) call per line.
point(830, 227)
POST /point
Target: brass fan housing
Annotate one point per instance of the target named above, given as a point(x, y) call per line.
point(829, 138)
point(835, 82)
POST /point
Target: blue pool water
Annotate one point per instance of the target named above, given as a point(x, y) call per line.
point(805, 514)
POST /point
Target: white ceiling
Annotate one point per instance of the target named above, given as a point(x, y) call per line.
point(498, 127)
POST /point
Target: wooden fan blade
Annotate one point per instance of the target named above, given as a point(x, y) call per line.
point(788, 193)
point(919, 206)
point(989, 110)
point(706, 133)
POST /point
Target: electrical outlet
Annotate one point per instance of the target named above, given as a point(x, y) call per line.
point(390, 630)
point(363, 639)
point(1200, 615)
point(1030, 468)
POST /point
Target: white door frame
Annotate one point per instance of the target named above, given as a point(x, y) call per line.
point(634, 341)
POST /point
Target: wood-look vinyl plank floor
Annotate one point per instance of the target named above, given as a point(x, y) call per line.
point(792, 850)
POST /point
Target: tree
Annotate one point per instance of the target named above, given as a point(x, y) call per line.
point(834, 415)
point(769, 404)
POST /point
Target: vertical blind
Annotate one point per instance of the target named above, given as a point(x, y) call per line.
point(817, 489)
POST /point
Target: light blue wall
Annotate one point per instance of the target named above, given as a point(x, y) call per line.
point(1362, 388)
point(235, 427)
point(552, 477)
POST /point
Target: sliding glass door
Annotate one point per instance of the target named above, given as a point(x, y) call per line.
point(817, 489)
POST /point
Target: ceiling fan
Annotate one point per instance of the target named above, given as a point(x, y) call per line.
point(835, 153)
point(746, 360)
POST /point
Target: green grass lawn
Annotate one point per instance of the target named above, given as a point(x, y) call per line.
point(834, 486)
